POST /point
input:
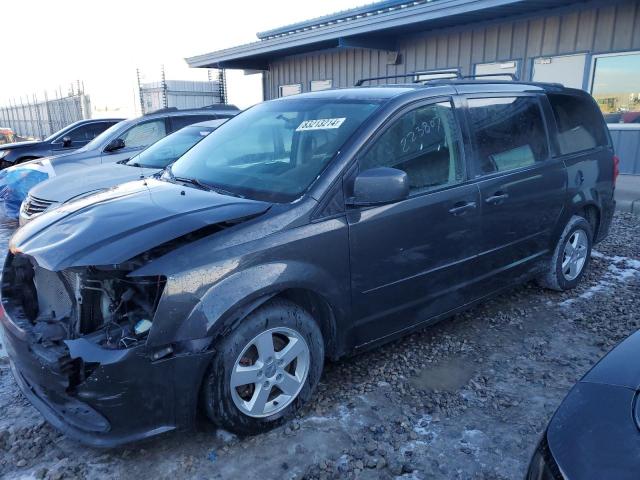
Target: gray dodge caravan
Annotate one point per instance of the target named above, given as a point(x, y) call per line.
point(305, 228)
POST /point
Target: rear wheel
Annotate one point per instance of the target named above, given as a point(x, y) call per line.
point(570, 257)
point(265, 369)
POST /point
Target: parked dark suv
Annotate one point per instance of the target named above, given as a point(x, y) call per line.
point(70, 138)
point(306, 227)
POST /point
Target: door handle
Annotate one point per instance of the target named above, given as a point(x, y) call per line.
point(462, 207)
point(496, 198)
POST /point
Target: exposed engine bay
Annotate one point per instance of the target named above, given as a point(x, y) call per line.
point(101, 304)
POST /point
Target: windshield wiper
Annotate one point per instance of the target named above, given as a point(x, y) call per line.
point(193, 181)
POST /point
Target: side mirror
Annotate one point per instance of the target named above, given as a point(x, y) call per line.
point(379, 186)
point(66, 142)
point(115, 144)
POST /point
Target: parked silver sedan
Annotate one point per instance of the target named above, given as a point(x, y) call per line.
point(86, 181)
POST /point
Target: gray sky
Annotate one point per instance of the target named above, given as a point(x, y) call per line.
point(51, 44)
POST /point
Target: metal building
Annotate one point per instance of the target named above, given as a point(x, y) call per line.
point(594, 45)
point(181, 94)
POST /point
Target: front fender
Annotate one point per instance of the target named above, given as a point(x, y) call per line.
point(237, 295)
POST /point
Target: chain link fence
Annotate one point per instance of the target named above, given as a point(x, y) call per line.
point(39, 118)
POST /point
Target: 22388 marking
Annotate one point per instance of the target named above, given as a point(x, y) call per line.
point(418, 132)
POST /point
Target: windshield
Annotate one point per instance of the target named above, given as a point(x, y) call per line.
point(170, 148)
point(275, 150)
point(96, 142)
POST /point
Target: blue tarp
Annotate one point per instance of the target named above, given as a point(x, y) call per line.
point(15, 183)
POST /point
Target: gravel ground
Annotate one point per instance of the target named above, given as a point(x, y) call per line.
point(467, 398)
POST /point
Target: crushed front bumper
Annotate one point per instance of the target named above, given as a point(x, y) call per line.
point(126, 397)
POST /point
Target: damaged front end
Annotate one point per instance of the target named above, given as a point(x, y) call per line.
point(102, 305)
point(77, 344)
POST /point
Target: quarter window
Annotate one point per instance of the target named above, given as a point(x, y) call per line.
point(508, 133)
point(144, 134)
point(424, 144)
point(580, 125)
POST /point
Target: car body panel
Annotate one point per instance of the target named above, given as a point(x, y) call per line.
point(594, 434)
point(421, 263)
point(114, 226)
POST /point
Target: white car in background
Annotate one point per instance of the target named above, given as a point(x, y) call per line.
point(85, 181)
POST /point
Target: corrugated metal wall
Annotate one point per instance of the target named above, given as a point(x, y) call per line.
point(182, 94)
point(626, 142)
point(597, 30)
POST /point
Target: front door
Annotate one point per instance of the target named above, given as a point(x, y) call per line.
point(414, 259)
point(522, 188)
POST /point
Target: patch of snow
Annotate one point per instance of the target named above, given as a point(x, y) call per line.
point(224, 436)
point(619, 270)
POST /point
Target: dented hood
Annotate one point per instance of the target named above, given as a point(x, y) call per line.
point(114, 226)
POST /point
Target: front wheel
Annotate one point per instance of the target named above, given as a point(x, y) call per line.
point(570, 257)
point(265, 369)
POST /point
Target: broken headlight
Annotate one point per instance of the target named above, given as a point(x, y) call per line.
point(117, 307)
point(104, 304)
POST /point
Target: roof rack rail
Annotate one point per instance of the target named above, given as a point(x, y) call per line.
point(454, 75)
point(385, 77)
point(453, 72)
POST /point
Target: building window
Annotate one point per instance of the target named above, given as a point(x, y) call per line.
point(565, 69)
point(616, 88)
point(508, 68)
point(317, 85)
point(436, 74)
point(288, 90)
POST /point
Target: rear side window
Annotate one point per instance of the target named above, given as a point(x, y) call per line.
point(179, 122)
point(580, 124)
point(144, 134)
point(424, 144)
point(86, 133)
point(508, 133)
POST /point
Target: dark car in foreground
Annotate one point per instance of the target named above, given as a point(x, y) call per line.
point(595, 433)
point(151, 161)
point(70, 138)
point(306, 227)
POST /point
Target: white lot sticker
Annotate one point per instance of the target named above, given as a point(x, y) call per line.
point(321, 124)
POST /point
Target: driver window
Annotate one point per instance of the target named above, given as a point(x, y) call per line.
point(144, 134)
point(424, 144)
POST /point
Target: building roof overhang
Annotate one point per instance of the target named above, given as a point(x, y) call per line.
point(375, 26)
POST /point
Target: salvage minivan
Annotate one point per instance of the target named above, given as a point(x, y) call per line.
point(305, 228)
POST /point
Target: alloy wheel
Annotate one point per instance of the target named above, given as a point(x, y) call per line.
point(270, 372)
point(575, 254)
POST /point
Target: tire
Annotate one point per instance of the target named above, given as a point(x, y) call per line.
point(578, 231)
point(240, 409)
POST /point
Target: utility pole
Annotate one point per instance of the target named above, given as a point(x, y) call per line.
point(222, 85)
point(142, 112)
point(165, 98)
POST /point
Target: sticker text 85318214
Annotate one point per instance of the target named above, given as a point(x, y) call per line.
point(321, 124)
